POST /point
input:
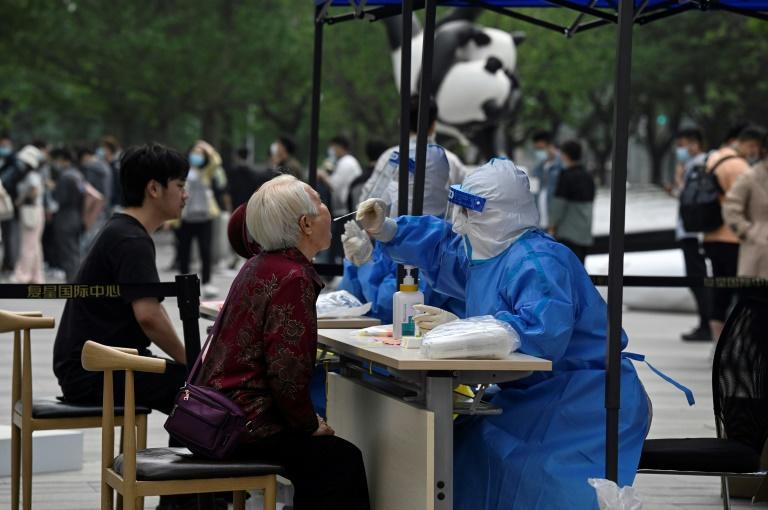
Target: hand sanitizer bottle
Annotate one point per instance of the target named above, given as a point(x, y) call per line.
point(402, 307)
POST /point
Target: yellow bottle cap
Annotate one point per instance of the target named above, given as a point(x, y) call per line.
point(408, 288)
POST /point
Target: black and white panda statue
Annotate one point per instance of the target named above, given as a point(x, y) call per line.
point(473, 78)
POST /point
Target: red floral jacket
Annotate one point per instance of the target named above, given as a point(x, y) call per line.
point(264, 351)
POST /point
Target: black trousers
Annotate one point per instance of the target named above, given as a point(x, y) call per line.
point(327, 472)
point(202, 232)
point(156, 391)
point(11, 241)
point(725, 262)
point(696, 265)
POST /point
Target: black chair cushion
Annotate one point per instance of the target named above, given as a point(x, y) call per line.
point(699, 454)
point(50, 407)
point(179, 464)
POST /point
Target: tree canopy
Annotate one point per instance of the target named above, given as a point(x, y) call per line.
point(174, 71)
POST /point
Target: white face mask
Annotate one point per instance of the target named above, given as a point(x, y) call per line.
point(273, 149)
point(331, 155)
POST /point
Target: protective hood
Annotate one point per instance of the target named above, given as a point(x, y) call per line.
point(508, 210)
point(436, 177)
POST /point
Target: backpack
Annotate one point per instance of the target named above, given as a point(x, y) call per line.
point(700, 198)
point(10, 177)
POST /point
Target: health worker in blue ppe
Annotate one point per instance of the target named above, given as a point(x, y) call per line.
point(550, 438)
point(371, 275)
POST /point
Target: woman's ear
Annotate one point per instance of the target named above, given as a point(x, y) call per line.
point(305, 225)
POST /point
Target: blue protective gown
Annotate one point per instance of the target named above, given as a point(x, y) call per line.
point(550, 438)
point(376, 281)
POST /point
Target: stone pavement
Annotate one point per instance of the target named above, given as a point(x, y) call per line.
point(654, 334)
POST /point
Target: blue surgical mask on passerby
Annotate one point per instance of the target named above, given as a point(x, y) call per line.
point(196, 160)
point(5, 151)
point(682, 154)
point(100, 153)
point(540, 155)
point(331, 155)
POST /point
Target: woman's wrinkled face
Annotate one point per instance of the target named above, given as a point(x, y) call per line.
point(320, 234)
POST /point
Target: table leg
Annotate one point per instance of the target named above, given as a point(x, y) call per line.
point(440, 401)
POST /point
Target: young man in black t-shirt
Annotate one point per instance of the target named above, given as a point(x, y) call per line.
point(152, 179)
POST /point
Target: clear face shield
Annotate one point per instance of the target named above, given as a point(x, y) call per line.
point(463, 208)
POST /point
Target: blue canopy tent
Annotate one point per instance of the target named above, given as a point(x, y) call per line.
point(589, 14)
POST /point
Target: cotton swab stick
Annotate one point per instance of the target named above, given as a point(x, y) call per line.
point(345, 216)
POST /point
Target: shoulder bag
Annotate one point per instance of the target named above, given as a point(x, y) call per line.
point(203, 419)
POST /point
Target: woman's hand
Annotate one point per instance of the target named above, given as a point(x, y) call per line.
point(323, 428)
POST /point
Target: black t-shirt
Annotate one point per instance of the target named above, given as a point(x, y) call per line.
point(122, 253)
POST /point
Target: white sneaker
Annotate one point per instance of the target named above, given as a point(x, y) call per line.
point(209, 291)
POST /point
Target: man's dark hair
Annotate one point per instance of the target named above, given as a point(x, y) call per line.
point(374, 149)
point(753, 132)
point(735, 130)
point(5, 135)
point(542, 136)
point(290, 146)
point(413, 120)
point(62, 153)
point(572, 149)
point(243, 152)
point(83, 151)
point(39, 143)
point(341, 141)
point(144, 163)
point(111, 143)
point(691, 133)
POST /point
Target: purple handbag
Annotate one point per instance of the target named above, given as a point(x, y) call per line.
point(204, 420)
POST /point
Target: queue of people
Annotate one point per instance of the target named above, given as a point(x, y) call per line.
point(729, 238)
point(480, 248)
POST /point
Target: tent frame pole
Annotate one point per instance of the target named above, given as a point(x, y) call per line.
point(317, 66)
point(405, 114)
point(405, 105)
point(425, 93)
point(616, 239)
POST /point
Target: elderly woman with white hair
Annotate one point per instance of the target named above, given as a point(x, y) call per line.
point(264, 349)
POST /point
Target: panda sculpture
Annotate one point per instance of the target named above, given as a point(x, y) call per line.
point(473, 78)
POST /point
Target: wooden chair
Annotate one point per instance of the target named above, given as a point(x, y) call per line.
point(30, 414)
point(162, 471)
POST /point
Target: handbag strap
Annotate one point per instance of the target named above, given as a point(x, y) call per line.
point(214, 332)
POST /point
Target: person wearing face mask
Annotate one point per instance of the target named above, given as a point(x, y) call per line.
point(6, 150)
point(545, 172)
point(721, 246)
point(550, 437)
point(571, 207)
point(346, 169)
point(689, 154)
point(282, 157)
point(373, 277)
point(745, 210)
point(206, 175)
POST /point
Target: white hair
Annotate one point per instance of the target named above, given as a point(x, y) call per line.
point(273, 212)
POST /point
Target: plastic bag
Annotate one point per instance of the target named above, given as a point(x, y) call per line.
point(481, 337)
point(610, 497)
point(340, 303)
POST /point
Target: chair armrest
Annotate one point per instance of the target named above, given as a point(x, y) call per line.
point(127, 350)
